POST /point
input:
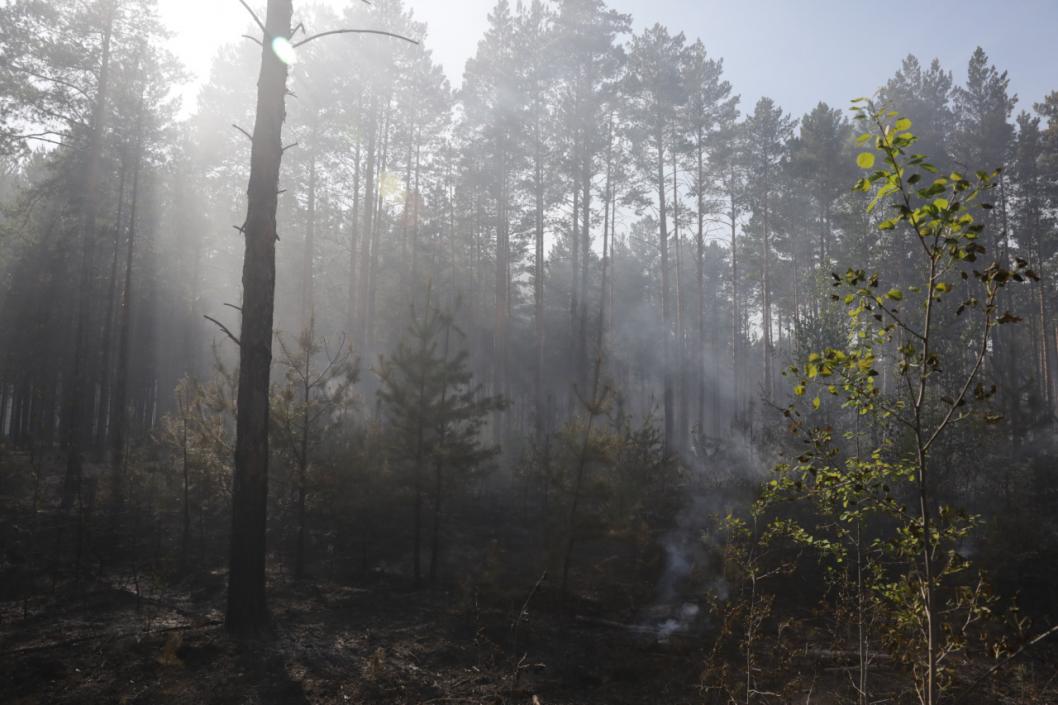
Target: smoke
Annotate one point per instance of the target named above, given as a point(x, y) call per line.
point(722, 475)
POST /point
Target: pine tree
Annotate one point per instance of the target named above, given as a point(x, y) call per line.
point(656, 91)
point(436, 414)
point(768, 130)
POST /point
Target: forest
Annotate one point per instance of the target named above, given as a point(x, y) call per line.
point(577, 381)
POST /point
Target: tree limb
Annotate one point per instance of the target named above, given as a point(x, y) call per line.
point(990, 672)
point(224, 329)
point(355, 31)
point(253, 14)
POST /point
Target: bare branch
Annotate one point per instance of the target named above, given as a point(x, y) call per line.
point(52, 79)
point(41, 138)
point(254, 16)
point(982, 353)
point(248, 135)
point(255, 40)
point(234, 307)
point(290, 146)
point(355, 31)
point(224, 329)
point(1032, 642)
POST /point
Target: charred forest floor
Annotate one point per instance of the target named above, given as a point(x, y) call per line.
point(149, 632)
point(373, 643)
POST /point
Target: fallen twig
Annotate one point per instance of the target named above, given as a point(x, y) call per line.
point(119, 635)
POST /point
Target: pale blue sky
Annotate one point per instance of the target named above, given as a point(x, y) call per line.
point(835, 50)
point(797, 52)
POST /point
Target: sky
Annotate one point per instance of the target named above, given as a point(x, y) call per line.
point(797, 52)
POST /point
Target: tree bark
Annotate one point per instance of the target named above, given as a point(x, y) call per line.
point(247, 611)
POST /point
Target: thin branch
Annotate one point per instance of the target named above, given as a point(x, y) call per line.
point(254, 16)
point(331, 362)
point(355, 31)
point(982, 352)
point(52, 79)
point(255, 40)
point(1032, 642)
point(290, 146)
point(41, 138)
point(234, 307)
point(224, 329)
point(248, 135)
point(896, 319)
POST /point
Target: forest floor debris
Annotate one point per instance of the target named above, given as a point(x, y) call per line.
point(333, 644)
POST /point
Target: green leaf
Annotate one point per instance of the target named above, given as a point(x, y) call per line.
point(865, 160)
point(816, 403)
point(902, 125)
point(895, 294)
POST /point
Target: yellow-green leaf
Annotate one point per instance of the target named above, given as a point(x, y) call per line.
point(902, 125)
point(865, 160)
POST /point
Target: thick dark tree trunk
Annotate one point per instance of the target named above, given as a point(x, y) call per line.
point(247, 613)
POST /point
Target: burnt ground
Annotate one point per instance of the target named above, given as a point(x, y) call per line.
point(377, 643)
point(132, 641)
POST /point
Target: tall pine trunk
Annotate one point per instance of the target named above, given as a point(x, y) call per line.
point(121, 373)
point(538, 280)
point(247, 610)
point(666, 306)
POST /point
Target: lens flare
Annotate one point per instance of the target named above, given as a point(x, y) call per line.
point(284, 50)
